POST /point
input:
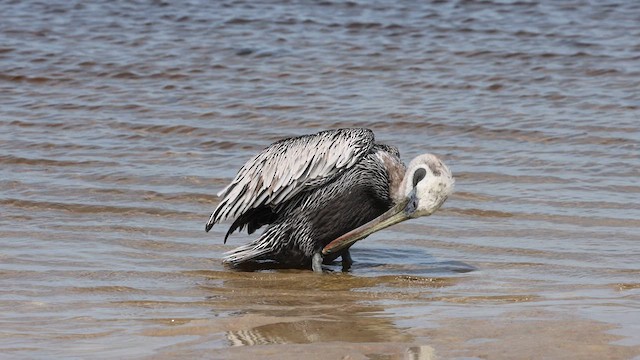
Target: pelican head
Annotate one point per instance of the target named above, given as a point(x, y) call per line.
point(426, 185)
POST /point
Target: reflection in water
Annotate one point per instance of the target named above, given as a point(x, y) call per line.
point(423, 352)
point(313, 308)
point(352, 329)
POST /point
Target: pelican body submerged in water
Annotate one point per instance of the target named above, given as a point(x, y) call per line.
point(321, 193)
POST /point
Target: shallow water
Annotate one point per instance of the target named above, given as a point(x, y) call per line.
point(121, 121)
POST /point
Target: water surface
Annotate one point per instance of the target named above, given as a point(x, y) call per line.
point(121, 121)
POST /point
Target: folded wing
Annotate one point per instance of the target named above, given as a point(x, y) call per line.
point(288, 167)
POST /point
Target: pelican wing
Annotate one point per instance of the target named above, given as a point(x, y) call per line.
point(288, 167)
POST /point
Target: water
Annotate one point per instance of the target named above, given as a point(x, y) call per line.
point(120, 121)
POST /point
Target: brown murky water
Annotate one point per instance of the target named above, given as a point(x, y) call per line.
point(121, 120)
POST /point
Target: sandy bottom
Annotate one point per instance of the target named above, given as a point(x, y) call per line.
point(515, 335)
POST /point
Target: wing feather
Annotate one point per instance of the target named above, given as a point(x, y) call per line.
point(288, 167)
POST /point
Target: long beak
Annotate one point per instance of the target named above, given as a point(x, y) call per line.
point(399, 213)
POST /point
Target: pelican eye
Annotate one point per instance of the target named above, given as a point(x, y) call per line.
point(419, 175)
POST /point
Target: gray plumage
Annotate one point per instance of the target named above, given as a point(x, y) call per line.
point(309, 190)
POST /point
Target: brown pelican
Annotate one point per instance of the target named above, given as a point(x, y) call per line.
point(321, 193)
